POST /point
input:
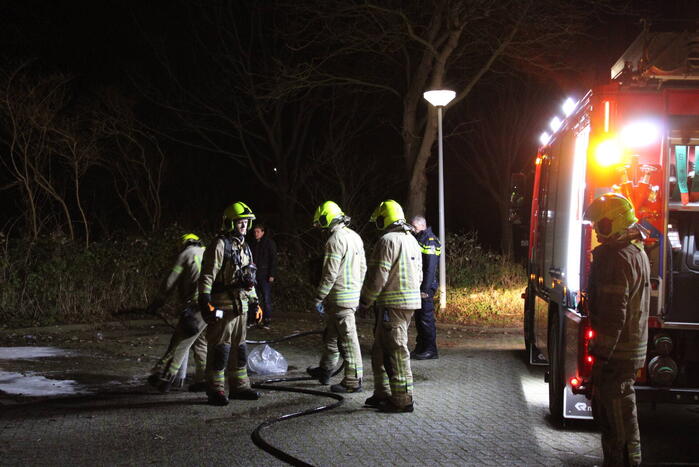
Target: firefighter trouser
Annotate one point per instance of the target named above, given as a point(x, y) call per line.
point(390, 358)
point(189, 333)
point(340, 339)
point(614, 410)
point(227, 353)
point(426, 340)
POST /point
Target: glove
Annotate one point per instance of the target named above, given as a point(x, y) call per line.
point(254, 310)
point(320, 308)
point(208, 313)
point(204, 301)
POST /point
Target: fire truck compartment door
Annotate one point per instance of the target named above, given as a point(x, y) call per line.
point(685, 275)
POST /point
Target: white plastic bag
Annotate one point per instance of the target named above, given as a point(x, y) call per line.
point(264, 360)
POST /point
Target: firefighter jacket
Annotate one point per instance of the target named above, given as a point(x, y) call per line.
point(431, 249)
point(619, 302)
point(344, 267)
point(221, 272)
point(184, 275)
point(395, 272)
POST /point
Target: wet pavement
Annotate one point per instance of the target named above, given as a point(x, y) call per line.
point(76, 396)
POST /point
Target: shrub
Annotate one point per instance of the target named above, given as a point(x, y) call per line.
point(483, 287)
point(55, 282)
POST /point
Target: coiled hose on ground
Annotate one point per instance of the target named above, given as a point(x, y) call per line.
point(268, 384)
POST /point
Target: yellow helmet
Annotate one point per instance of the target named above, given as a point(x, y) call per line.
point(234, 212)
point(190, 238)
point(387, 213)
point(610, 214)
point(326, 213)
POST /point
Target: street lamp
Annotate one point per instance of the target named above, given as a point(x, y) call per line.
point(440, 98)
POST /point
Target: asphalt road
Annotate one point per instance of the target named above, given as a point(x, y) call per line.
point(479, 404)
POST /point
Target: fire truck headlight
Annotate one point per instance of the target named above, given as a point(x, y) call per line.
point(608, 153)
point(569, 106)
point(544, 138)
point(555, 124)
point(640, 134)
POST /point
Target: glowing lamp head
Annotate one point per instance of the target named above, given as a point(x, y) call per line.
point(608, 153)
point(640, 134)
point(575, 382)
point(439, 97)
point(569, 106)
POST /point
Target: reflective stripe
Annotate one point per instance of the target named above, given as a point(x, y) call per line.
point(430, 250)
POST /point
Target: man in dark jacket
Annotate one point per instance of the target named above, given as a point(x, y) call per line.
point(426, 345)
point(619, 303)
point(264, 254)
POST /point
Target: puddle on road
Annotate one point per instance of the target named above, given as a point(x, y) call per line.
point(35, 385)
point(24, 353)
point(30, 383)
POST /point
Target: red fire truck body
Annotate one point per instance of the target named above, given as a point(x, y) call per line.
point(637, 135)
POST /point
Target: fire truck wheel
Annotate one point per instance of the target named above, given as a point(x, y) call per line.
point(556, 374)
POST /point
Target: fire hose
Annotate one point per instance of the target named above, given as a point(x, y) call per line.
point(256, 435)
point(268, 385)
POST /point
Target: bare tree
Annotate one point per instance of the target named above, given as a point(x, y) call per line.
point(76, 140)
point(30, 108)
point(404, 49)
point(497, 148)
point(137, 162)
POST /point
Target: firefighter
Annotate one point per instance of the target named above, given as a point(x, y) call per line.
point(189, 331)
point(426, 342)
point(619, 302)
point(393, 284)
point(337, 298)
point(226, 289)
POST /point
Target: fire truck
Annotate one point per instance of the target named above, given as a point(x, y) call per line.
point(637, 135)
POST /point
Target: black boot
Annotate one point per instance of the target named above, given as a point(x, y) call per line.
point(323, 376)
point(217, 398)
point(426, 355)
point(375, 401)
point(389, 407)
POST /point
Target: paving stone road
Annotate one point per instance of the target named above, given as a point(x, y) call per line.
point(479, 404)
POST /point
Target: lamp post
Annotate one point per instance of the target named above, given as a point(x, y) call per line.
point(440, 98)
